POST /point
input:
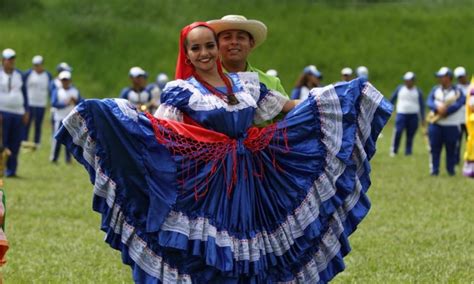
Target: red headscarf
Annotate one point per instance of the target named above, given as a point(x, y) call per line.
point(183, 70)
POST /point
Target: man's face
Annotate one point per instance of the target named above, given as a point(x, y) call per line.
point(235, 45)
point(9, 63)
point(409, 83)
point(38, 68)
point(66, 83)
point(462, 80)
point(445, 81)
point(139, 81)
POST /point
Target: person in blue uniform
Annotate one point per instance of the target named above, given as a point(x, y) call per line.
point(56, 84)
point(37, 81)
point(156, 88)
point(64, 99)
point(445, 102)
point(362, 72)
point(198, 194)
point(410, 111)
point(346, 74)
point(463, 84)
point(137, 93)
point(13, 108)
point(310, 78)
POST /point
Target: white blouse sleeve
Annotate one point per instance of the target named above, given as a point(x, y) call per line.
point(165, 111)
point(269, 106)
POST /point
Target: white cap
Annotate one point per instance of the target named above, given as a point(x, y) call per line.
point(346, 71)
point(136, 72)
point(311, 69)
point(272, 72)
point(65, 75)
point(162, 78)
point(409, 76)
point(443, 71)
point(459, 72)
point(362, 71)
point(63, 66)
point(37, 60)
point(8, 53)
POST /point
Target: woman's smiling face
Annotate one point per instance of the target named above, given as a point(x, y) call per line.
point(201, 49)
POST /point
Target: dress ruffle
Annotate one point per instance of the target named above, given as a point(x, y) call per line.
point(310, 198)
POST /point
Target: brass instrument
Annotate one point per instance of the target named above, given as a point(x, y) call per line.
point(433, 117)
point(147, 107)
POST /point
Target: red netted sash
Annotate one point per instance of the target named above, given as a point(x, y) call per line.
point(205, 146)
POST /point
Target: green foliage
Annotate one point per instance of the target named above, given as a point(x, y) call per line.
point(103, 39)
point(12, 8)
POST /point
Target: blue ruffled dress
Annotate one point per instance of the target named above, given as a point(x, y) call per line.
point(294, 198)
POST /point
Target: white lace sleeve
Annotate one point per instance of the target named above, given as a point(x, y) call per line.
point(269, 106)
point(165, 111)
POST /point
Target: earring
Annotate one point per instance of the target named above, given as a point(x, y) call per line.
point(187, 61)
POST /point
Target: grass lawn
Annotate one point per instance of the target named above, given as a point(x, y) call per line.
point(419, 229)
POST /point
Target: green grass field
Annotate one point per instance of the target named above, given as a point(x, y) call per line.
point(420, 229)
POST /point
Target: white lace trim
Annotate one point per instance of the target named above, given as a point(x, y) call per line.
point(250, 83)
point(166, 111)
point(330, 115)
point(205, 102)
point(369, 103)
point(104, 186)
point(127, 108)
point(139, 251)
point(270, 106)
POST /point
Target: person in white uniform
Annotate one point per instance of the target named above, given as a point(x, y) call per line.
point(64, 99)
point(137, 93)
point(13, 108)
point(445, 102)
point(156, 88)
point(37, 81)
point(463, 84)
point(56, 84)
point(410, 111)
point(346, 74)
point(362, 72)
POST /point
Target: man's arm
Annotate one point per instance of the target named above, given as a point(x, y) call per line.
point(458, 104)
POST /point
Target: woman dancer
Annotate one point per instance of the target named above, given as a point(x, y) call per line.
point(199, 195)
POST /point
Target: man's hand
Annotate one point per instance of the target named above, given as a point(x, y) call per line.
point(72, 102)
point(25, 118)
point(442, 110)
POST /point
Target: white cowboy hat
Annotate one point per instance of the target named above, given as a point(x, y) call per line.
point(257, 29)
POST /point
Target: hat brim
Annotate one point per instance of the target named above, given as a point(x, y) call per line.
point(439, 75)
point(257, 29)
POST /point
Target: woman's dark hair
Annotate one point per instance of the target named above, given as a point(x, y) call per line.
point(304, 80)
point(215, 37)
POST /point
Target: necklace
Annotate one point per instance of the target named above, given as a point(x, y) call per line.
point(228, 97)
